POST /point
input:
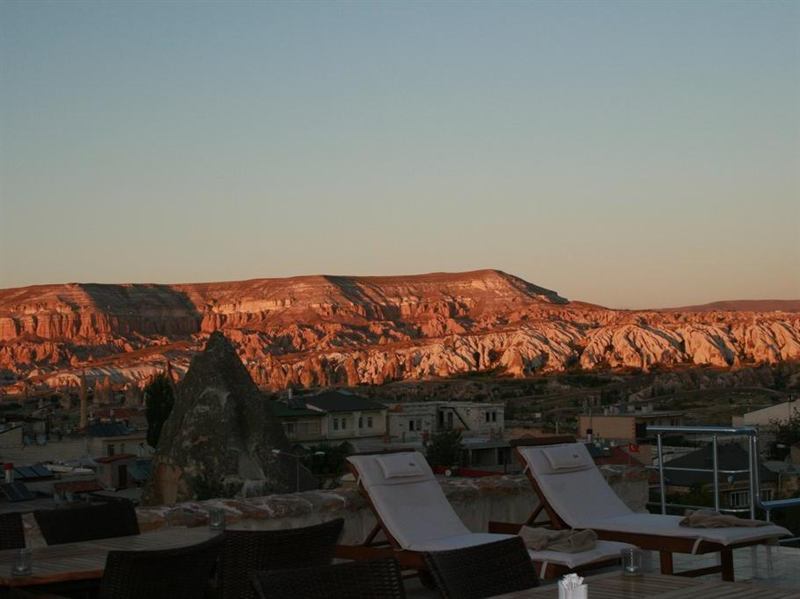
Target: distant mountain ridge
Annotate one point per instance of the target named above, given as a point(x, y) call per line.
point(347, 330)
point(743, 306)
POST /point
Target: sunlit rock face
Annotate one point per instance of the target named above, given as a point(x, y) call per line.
point(219, 439)
point(326, 330)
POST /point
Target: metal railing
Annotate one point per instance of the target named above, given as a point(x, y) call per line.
point(752, 470)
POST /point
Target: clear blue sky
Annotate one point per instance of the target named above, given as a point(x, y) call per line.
point(631, 154)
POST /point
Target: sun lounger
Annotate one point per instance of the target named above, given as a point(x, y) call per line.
point(574, 494)
point(415, 516)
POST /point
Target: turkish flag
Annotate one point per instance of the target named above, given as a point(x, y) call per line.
point(633, 447)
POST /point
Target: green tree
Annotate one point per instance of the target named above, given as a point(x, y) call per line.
point(444, 449)
point(159, 399)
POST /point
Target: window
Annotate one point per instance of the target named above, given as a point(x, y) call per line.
point(369, 421)
point(411, 425)
point(344, 423)
point(290, 428)
point(360, 422)
point(488, 416)
point(110, 449)
point(739, 499)
point(336, 424)
point(494, 416)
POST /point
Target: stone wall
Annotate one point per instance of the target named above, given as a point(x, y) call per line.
point(477, 501)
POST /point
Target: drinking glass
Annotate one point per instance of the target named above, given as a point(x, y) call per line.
point(216, 519)
point(631, 561)
point(23, 563)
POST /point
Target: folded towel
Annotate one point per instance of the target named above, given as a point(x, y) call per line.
point(712, 519)
point(566, 541)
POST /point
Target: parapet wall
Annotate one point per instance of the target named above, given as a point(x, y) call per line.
point(477, 501)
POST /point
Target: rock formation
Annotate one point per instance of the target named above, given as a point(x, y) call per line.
point(325, 330)
point(219, 439)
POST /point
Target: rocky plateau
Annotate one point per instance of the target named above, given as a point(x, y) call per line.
point(337, 330)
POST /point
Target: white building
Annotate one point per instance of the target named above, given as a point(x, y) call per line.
point(417, 421)
point(767, 416)
point(333, 416)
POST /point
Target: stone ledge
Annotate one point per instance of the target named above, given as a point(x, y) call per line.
point(476, 500)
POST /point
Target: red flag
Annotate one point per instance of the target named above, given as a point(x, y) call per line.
point(633, 447)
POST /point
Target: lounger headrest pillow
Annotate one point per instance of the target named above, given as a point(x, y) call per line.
point(567, 458)
point(399, 465)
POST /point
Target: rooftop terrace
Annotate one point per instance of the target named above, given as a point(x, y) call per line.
point(477, 501)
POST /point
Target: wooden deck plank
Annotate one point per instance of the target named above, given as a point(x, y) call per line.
point(616, 586)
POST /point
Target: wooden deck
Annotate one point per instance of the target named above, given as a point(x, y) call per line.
point(614, 585)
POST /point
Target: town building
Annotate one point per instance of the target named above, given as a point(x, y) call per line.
point(332, 416)
point(106, 439)
point(769, 416)
point(628, 427)
point(733, 488)
point(122, 471)
point(417, 421)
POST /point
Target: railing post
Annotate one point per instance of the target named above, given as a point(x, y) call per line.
point(752, 467)
point(715, 459)
point(662, 488)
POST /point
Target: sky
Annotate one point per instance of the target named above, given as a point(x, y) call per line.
point(631, 154)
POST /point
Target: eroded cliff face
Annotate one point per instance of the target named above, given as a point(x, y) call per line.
point(325, 330)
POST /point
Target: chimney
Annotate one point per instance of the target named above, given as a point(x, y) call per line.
point(9, 468)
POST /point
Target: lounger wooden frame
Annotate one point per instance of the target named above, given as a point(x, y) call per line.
point(372, 548)
point(665, 545)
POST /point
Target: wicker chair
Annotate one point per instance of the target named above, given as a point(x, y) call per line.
point(87, 522)
point(483, 570)
point(182, 573)
point(12, 533)
point(245, 551)
point(371, 579)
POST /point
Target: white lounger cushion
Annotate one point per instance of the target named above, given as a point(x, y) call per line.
point(583, 499)
point(400, 465)
point(459, 541)
point(417, 514)
point(567, 458)
point(414, 514)
point(603, 550)
point(579, 497)
point(668, 526)
point(413, 508)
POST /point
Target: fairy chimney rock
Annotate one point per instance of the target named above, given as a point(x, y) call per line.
point(220, 438)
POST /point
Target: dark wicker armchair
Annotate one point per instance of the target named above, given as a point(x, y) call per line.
point(483, 570)
point(374, 579)
point(245, 551)
point(87, 522)
point(182, 573)
point(12, 532)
